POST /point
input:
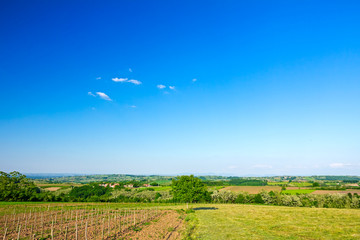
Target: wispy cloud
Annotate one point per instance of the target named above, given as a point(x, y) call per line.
point(340, 165)
point(119, 79)
point(103, 96)
point(91, 94)
point(172, 87)
point(130, 70)
point(98, 78)
point(194, 80)
point(160, 86)
point(133, 106)
point(136, 82)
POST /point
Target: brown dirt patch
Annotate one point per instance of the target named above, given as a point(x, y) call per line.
point(52, 189)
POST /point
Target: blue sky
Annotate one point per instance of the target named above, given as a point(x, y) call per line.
point(171, 87)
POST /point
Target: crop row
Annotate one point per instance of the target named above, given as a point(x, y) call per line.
point(94, 223)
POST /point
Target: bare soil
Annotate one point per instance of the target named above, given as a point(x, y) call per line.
point(168, 226)
point(92, 224)
point(52, 189)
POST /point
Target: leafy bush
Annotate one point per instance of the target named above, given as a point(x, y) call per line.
point(189, 189)
point(16, 187)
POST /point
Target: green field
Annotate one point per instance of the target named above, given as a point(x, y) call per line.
point(231, 221)
point(238, 221)
point(292, 184)
point(298, 191)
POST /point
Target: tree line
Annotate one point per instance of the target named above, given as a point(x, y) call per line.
point(15, 186)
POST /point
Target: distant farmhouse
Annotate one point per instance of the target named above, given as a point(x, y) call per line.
point(112, 185)
point(109, 184)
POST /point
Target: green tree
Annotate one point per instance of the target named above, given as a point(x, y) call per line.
point(15, 186)
point(189, 189)
point(91, 192)
point(316, 184)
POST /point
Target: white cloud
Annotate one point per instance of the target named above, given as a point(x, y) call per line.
point(172, 87)
point(136, 82)
point(98, 78)
point(91, 94)
point(133, 106)
point(119, 79)
point(130, 70)
point(339, 165)
point(103, 96)
point(194, 80)
point(160, 86)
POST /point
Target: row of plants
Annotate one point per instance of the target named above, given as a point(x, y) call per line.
point(299, 200)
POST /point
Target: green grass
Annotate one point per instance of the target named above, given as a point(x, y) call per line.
point(162, 188)
point(277, 183)
point(213, 188)
point(298, 191)
point(234, 221)
point(301, 184)
point(291, 184)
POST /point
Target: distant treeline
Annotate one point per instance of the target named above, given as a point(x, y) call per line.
point(338, 178)
point(237, 182)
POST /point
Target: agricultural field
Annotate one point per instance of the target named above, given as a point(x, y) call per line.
point(292, 184)
point(55, 187)
point(174, 221)
point(297, 191)
point(235, 221)
point(352, 191)
point(80, 221)
point(251, 189)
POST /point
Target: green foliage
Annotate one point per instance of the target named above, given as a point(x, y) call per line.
point(246, 182)
point(297, 191)
point(91, 193)
point(316, 184)
point(223, 196)
point(236, 182)
point(140, 196)
point(298, 200)
point(16, 187)
point(189, 189)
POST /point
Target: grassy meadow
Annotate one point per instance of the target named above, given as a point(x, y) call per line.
point(235, 221)
point(298, 191)
point(251, 189)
